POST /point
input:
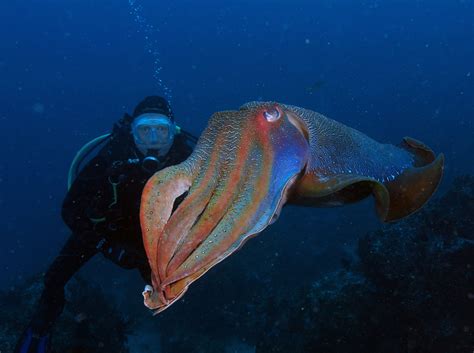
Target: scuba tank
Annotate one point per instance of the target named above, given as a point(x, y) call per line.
point(82, 154)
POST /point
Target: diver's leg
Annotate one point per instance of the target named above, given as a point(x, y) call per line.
point(77, 251)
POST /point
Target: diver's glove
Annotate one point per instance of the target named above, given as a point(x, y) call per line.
point(33, 342)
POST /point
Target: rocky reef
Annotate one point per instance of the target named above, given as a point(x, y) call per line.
point(411, 290)
point(90, 323)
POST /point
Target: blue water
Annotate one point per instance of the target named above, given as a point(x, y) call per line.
point(70, 69)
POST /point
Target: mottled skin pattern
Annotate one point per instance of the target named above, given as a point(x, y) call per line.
point(247, 165)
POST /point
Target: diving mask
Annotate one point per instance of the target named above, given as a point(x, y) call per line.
point(153, 132)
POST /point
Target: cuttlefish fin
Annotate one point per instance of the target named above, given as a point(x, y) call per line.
point(414, 187)
point(346, 166)
point(395, 197)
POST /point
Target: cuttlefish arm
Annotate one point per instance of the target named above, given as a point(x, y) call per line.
point(236, 181)
point(246, 166)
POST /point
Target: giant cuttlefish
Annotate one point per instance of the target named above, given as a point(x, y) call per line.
point(247, 165)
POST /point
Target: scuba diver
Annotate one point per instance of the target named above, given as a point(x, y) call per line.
point(102, 205)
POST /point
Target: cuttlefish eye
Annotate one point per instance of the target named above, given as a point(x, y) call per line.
point(272, 114)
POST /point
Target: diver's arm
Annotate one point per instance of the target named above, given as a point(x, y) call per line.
point(86, 201)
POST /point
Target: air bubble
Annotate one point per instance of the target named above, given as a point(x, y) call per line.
point(149, 31)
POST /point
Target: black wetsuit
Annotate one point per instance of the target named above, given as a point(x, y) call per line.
point(102, 210)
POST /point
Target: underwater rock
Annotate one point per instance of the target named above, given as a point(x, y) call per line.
point(423, 271)
point(412, 290)
point(208, 323)
point(316, 319)
point(90, 322)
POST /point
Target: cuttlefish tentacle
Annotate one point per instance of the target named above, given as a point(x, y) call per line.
point(186, 214)
point(166, 187)
point(247, 165)
point(211, 216)
point(223, 194)
point(219, 189)
point(231, 228)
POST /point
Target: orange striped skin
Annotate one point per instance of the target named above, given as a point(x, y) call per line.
point(233, 194)
point(246, 166)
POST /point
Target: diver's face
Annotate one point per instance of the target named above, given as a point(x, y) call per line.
point(153, 133)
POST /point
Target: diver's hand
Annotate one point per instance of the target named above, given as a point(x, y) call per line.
point(147, 293)
point(111, 221)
